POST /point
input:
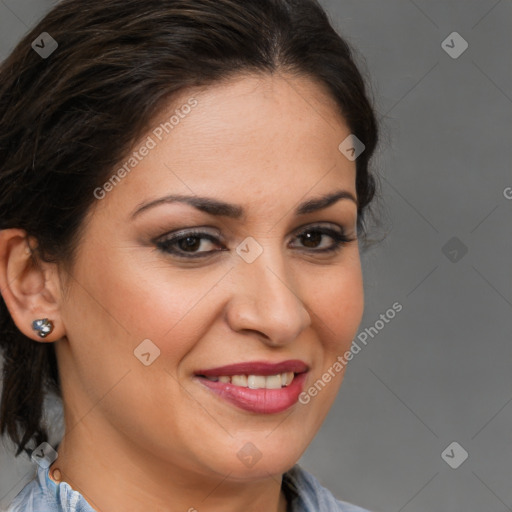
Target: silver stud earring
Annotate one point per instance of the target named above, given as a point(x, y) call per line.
point(43, 327)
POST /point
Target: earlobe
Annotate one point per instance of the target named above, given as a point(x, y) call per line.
point(29, 288)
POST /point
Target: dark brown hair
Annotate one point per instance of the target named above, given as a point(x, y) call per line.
point(68, 119)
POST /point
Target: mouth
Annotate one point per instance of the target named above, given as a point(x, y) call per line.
point(277, 381)
point(259, 387)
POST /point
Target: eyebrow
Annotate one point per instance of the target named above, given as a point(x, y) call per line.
point(234, 211)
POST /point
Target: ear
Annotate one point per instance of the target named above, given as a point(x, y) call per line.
point(30, 287)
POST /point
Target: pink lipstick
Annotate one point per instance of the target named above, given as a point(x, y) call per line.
point(258, 386)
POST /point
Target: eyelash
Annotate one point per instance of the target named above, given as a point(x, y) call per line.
point(340, 239)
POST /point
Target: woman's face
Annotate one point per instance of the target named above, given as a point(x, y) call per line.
point(258, 287)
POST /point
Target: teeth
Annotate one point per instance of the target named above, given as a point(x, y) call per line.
point(273, 382)
point(286, 378)
point(257, 381)
point(239, 380)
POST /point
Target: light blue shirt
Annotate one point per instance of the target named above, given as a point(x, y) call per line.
point(303, 491)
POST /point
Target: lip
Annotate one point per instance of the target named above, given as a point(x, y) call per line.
point(256, 368)
point(259, 401)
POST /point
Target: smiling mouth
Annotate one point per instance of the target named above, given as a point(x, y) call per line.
point(276, 381)
point(259, 394)
point(261, 387)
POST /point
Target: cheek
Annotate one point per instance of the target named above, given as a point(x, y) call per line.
point(337, 301)
point(141, 298)
point(112, 309)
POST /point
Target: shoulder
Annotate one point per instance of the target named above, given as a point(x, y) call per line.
point(306, 494)
point(30, 499)
point(43, 495)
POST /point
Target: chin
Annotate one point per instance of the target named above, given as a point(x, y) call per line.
point(251, 463)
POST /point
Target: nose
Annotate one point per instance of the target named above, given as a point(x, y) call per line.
point(265, 300)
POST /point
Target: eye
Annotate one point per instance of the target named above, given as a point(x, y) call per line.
point(312, 238)
point(187, 243)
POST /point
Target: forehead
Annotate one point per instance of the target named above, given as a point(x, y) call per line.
point(254, 139)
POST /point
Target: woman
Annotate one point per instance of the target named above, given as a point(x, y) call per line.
point(184, 185)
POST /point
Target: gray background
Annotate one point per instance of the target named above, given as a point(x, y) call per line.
point(438, 372)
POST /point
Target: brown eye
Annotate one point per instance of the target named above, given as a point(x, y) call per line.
point(187, 244)
point(311, 238)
